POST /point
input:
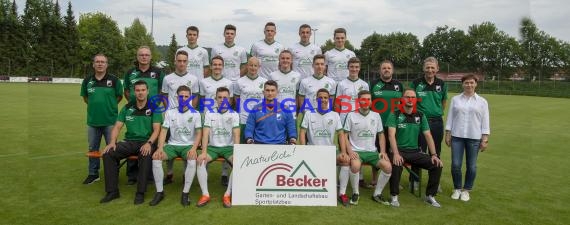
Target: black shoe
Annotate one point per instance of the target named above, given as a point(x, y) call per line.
point(380, 199)
point(91, 179)
point(131, 182)
point(158, 196)
point(354, 199)
point(185, 199)
point(168, 179)
point(361, 183)
point(225, 181)
point(110, 197)
point(139, 198)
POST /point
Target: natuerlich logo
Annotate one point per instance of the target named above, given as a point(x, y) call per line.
point(289, 178)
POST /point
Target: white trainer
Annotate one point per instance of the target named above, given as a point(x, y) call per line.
point(456, 194)
point(395, 202)
point(431, 200)
point(465, 196)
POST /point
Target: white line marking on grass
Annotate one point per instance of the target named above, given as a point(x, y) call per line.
point(15, 154)
point(56, 155)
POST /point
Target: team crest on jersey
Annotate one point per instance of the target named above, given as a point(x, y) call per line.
point(276, 50)
point(190, 119)
point(278, 116)
point(438, 88)
point(397, 88)
point(417, 119)
point(347, 56)
point(109, 83)
point(229, 120)
point(327, 85)
point(330, 122)
point(235, 53)
point(152, 75)
point(372, 122)
point(360, 88)
point(189, 84)
point(312, 52)
point(260, 86)
point(91, 82)
point(293, 80)
point(148, 112)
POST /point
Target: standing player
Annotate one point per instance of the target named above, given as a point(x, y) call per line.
point(185, 128)
point(101, 92)
point(267, 51)
point(287, 81)
point(433, 94)
point(362, 128)
point(198, 60)
point(403, 129)
point(220, 133)
point(248, 92)
point(324, 127)
point(303, 52)
point(143, 127)
point(235, 57)
point(309, 86)
point(153, 77)
point(180, 77)
point(337, 58)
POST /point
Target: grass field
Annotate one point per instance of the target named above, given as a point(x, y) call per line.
point(522, 178)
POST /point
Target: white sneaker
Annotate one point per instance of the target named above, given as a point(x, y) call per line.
point(456, 194)
point(465, 196)
point(431, 200)
point(395, 201)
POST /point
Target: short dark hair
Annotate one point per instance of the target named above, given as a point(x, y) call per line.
point(229, 27)
point(218, 57)
point(272, 24)
point(363, 92)
point(192, 28)
point(140, 82)
point(318, 56)
point(182, 52)
point(222, 89)
point(353, 60)
point(469, 77)
point(339, 30)
point(304, 26)
point(286, 51)
point(387, 61)
point(270, 83)
point(323, 90)
point(183, 88)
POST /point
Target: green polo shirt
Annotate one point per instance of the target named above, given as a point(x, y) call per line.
point(101, 99)
point(386, 91)
point(153, 78)
point(408, 128)
point(431, 96)
point(138, 121)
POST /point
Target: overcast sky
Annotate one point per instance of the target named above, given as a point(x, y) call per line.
point(360, 18)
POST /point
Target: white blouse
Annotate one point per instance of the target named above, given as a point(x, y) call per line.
point(468, 117)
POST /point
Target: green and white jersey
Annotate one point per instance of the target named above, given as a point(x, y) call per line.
point(431, 96)
point(234, 56)
point(182, 126)
point(349, 89)
point(197, 60)
point(321, 128)
point(303, 58)
point(390, 92)
point(362, 130)
point(408, 128)
point(248, 89)
point(173, 81)
point(209, 85)
point(138, 121)
point(221, 126)
point(101, 99)
point(153, 78)
point(337, 63)
point(268, 55)
point(288, 83)
point(309, 87)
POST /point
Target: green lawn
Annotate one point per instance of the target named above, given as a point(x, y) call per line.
point(520, 178)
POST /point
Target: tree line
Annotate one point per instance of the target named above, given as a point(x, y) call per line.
point(42, 42)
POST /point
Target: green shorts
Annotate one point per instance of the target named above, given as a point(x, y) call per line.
point(369, 158)
point(217, 152)
point(173, 151)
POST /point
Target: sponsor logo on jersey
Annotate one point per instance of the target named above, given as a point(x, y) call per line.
point(322, 133)
point(438, 88)
point(109, 83)
point(397, 88)
point(183, 131)
point(148, 112)
point(365, 134)
point(152, 75)
point(221, 132)
point(417, 119)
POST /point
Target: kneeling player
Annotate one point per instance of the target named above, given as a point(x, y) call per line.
point(221, 131)
point(185, 135)
point(362, 127)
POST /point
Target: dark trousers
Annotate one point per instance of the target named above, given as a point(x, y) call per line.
point(436, 129)
point(123, 150)
point(418, 159)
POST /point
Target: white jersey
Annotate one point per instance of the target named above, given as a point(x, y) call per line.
point(173, 81)
point(182, 126)
point(221, 127)
point(309, 87)
point(303, 58)
point(209, 85)
point(288, 86)
point(197, 60)
point(363, 130)
point(321, 128)
point(234, 56)
point(248, 89)
point(268, 55)
point(349, 89)
point(337, 63)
